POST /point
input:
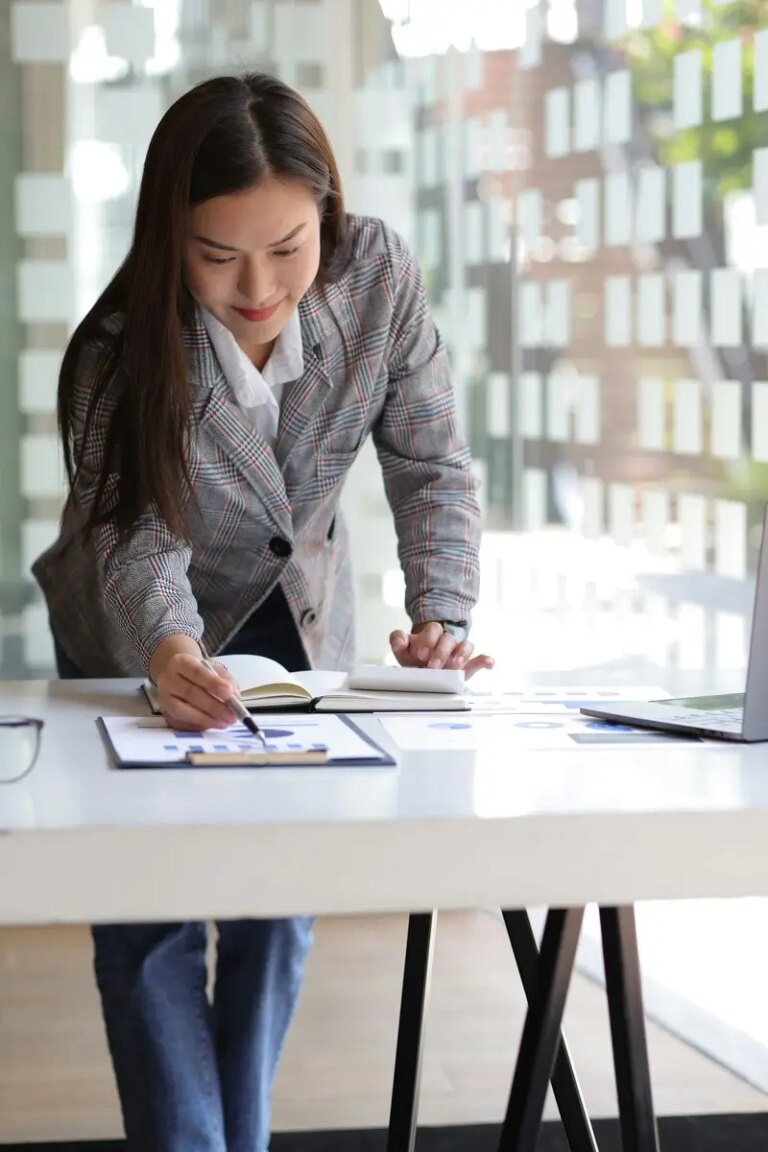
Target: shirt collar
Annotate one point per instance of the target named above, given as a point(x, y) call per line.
point(285, 364)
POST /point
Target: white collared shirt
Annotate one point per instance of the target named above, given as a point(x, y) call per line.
point(259, 392)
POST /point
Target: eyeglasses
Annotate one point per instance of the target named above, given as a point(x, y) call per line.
point(19, 746)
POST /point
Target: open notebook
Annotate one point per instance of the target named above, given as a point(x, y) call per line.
point(369, 688)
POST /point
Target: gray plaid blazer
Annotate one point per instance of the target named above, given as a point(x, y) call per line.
point(374, 364)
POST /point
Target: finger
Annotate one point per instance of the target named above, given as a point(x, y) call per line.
point(226, 675)
point(401, 650)
point(477, 663)
point(422, 643)
point(178, 714)
point(219, 687)
point(460, 655)
point(442, 651)
point(199, 700)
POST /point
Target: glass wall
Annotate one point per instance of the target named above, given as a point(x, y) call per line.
point(586, 185)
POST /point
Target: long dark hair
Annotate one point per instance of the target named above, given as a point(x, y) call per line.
point(225, 135)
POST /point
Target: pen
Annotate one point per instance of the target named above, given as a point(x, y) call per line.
point(237, 706)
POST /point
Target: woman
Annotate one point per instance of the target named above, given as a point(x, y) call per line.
point(211, 404)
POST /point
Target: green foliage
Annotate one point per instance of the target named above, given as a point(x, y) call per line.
point(725, 148)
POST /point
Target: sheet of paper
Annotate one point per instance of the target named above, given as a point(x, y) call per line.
point(558, 698)
point(524, 730)
point(143, 740)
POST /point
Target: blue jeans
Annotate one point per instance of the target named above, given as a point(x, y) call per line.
point(195, 1076)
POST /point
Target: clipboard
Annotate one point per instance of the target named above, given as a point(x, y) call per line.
point(353, 748)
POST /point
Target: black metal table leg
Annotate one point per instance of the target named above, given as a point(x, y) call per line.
point(576, 1122)
point(403, 1114)
point(630, 1052)
point(541, 1031)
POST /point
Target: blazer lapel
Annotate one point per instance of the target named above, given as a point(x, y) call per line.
point(323, 360)
point(220, 417)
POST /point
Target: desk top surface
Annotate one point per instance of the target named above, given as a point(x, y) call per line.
point(499, 823)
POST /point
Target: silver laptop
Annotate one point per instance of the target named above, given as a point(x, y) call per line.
point(740, 716)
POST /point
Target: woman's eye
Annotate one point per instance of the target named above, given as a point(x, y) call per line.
point(218, 259)
point(286, 251)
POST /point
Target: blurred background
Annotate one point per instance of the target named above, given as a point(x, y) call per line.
point(585, 183)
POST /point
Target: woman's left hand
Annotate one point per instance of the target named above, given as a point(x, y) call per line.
point(430, 646)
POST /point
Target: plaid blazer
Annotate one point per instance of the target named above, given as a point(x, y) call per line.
point(374, 364)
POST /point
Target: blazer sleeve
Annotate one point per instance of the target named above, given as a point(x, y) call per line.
point(425, 460)
point(144, 577)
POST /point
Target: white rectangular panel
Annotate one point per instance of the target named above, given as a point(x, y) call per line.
point(474, 232)
point(529, 55)
point(687, 200)
point(652, 12)
point(40, 33)
point(651, 318)
point(618, 107)
point(559, 397)
point(36, 536)
point(558, 314)
point(587, 104)
point(38, 379)
point(761, 71)
point(651, 414)
point(41, 467)
point(587, 193)
point(687, 90)
point(618, 209)
point(593, 496)
point(688, 300)
point(760, 420)
point(498, 405)
point(529, 216)
point(726, 419)
point(45, 291)
point(731, 539)
point(655, 520)
point(760, 160)
point(129, 31)
point(587, 422)
point(531, 323)
point(621, 513)
point(727, 96)
point(557, 122)
point(498, 140)
point(305, 40)
point(529, 408)
point(534, 498)
point(726, 288)
point(692, 516)
point(687, 418)
point(760, 308)
point(650, 222)
point(43, 204)
point(617, 297)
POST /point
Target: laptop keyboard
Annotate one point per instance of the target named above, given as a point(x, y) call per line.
point(729, 719)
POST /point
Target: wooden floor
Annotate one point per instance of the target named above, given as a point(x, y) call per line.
point(56, 1083)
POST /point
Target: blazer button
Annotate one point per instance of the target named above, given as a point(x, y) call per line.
point(308, 617)
point(280, 547)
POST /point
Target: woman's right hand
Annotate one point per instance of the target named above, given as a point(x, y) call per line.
point(191, 696)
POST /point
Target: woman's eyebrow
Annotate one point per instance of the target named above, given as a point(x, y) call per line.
point(290, 236)
point(215, 244)
point(228, 247)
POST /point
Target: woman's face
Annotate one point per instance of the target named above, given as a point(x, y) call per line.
point(251, 256)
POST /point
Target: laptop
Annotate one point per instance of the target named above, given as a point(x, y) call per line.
point(741, 716)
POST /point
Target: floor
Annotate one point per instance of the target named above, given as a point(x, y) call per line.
point(55, 1079)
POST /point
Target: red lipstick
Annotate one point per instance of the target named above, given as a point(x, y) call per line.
point(258, 314)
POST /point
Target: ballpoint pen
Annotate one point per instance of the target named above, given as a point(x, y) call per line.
point(236, 704)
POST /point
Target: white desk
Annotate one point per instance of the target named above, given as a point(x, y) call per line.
point(83, 842)
point(443, 830)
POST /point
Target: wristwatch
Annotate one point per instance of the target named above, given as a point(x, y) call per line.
point(459, 629)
